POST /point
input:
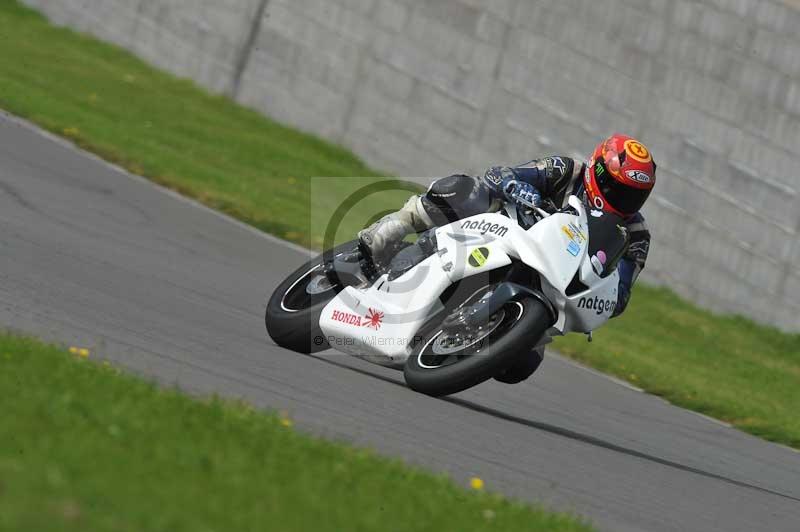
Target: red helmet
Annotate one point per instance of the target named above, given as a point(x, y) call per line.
point(620, 175)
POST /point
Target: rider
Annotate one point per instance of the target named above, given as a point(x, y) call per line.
point(617, 179)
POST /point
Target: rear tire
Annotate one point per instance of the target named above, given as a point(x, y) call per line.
point(292, 320)
point(523, 323)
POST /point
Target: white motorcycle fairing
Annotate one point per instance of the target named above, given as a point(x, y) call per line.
point(380, 322)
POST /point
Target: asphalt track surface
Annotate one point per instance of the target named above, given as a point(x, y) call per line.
point(91, 256)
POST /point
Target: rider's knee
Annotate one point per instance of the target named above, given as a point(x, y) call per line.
point(454, 197)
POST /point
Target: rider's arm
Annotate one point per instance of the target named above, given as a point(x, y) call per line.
point(632, 263)
point(551, 176)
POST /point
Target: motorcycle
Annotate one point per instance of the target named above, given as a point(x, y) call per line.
point(464, 302)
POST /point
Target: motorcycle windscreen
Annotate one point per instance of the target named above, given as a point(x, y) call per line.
point(608, 239)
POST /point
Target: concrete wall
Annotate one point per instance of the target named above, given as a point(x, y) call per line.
point(428, 87)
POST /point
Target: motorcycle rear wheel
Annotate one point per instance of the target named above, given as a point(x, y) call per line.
point(294, 309)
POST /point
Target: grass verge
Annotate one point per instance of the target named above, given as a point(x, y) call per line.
point(156, 125)
point(725, 367)
point(237, 161)
point(86, 447)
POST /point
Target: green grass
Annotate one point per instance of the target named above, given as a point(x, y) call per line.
point(246, 165)
point(86, 447)
point(153, 124)
point(726, 367)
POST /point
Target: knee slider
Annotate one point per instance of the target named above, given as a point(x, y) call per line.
point(454, 197)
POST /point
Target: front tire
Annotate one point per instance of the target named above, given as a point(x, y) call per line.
point(440, 365)
point(293, 311)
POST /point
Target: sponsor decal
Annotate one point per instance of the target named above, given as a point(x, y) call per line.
point(484, 227)
point(597, 304)
point(596, 214)
point(346, 317)
point(637, 175)
point(494, 176)
point(478, 257)
point(573, 248)
point(548, 164)
point(636, 149)
point(598, 261)
point(576, 238)
point(597, 266)
point(559, 164)
point(373, 319)
point(577, 230)
point(599, 168)
point(640, 247)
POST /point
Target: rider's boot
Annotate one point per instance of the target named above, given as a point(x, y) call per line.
point(379, 240)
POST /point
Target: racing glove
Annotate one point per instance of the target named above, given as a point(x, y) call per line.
point(505, 182)
point(522, 192)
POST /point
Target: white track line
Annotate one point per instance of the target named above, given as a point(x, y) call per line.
point(613, 379)
point(630, 386)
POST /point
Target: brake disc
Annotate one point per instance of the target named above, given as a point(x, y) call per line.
point(318, 285)
point(451, 341)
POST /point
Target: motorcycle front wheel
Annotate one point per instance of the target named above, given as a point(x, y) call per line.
point(450, 359)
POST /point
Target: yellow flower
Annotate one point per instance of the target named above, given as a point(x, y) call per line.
point(80, 351)
point(476, 483)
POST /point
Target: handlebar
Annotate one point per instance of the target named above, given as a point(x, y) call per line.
point(538, 210)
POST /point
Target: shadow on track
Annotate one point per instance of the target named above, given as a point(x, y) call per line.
point(560, 431)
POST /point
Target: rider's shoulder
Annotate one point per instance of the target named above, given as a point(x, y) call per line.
point(553, 166)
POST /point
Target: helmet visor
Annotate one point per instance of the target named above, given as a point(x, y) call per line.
point(624, 198)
